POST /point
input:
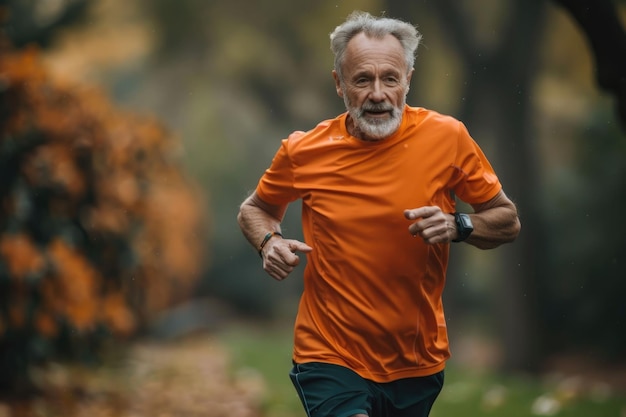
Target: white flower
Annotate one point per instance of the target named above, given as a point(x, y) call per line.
point(545, 405)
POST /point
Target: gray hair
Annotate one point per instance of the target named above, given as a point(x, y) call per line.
point(376, 27)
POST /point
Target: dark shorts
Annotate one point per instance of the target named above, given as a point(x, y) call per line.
point(328, 390)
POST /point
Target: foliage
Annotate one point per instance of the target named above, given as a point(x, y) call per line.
point(99, 227)
point(191, 377)
point(31, 21)
point(584, 281)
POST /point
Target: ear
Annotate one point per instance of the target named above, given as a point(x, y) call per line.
point(337, 84)
point(408, 79)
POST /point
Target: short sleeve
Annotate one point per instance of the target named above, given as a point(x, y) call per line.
point(276, 184)
point(477, 181)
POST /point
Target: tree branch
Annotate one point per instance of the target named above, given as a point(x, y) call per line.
point(599, 21)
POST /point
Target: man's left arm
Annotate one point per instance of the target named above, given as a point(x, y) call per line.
point(495, 222)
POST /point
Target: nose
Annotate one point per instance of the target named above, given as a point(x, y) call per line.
point(377, 93)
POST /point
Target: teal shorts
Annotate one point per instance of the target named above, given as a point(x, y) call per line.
point(328, 390)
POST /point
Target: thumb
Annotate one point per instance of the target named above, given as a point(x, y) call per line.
point(296, 245)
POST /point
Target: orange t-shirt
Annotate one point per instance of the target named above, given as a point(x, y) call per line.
point(372, 292)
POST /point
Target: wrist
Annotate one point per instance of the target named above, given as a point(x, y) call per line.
point(464, 226)
point(266, 239)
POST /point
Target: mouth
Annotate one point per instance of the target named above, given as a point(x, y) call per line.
point(376, 113)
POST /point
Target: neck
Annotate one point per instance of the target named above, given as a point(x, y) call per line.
point(354, 131)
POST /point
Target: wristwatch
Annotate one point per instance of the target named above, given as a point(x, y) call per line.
point(464, 226)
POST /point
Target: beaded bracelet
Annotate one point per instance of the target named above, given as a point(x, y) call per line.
point(266, 239)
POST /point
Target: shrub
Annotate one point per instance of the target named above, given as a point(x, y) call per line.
point(99, 226)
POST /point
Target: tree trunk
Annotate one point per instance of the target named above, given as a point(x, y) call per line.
point(599, 21)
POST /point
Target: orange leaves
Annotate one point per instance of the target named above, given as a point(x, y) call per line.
point(77, 286)
point(71, 289)
point(106, 218)
point(45, 324)
point(117, 315)
point(53, 166)
point(21, 255)
point(174, 215)
point(99, 227)
point(190, 378)
point(23, 68)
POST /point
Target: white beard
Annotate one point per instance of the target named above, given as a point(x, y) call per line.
point(372, 128)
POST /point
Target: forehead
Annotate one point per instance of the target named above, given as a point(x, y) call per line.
point(365, 50)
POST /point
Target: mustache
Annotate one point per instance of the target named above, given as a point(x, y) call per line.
point(376, 107)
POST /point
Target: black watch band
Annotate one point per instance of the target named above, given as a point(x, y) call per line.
point(464, 226)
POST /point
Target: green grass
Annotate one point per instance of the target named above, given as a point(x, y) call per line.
point(268, 351)
point(469, 394)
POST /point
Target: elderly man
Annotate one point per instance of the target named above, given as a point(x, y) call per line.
point(378, 186)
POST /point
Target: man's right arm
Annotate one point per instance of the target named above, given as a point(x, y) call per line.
point(256, 219)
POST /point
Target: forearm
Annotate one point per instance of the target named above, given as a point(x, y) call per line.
point(495, 222)
point(256, 220)
point(494, 227)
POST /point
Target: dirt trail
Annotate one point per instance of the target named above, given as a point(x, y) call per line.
point(188, 378)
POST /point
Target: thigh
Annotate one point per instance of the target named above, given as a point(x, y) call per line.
point(328, 390)
point(412, 397)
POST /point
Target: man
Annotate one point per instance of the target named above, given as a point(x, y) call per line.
point(377, 185)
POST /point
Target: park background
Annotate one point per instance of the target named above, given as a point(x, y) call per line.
point(132, 131)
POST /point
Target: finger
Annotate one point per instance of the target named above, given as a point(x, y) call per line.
point(410, 214)
point(421, 212)
point(289, 256)
point(435, 229)
point(431, 235)
point(277, 270)
point(277, 275)
point(425, 228)
point(414, 229)
point(297, 246)
point(418, 227)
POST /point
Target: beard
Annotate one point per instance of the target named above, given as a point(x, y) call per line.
point(371, 128)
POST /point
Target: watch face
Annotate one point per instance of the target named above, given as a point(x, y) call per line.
point(464, 226)
point(466, 221)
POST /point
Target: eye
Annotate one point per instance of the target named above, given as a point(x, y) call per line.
point(361, 81)
point(391, 80)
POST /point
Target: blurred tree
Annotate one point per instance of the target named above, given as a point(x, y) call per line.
point(100, 229)
point(35, 22)
point(584, 281)
point(583, 310)
point(599, 20)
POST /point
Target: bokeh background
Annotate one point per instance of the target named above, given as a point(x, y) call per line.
point(133, 129)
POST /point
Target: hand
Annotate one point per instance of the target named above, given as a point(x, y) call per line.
point(279, 256)
point(432, 225)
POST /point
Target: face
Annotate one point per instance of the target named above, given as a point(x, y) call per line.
point(374, 86)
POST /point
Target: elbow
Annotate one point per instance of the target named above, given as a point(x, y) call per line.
point(244, 211)
point(510, 233)
point(241, 214)
point(516, 229)
point(241, 217)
